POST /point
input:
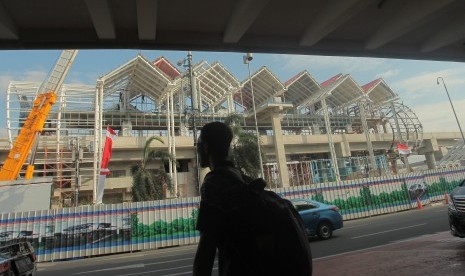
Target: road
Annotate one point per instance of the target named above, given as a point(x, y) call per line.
point(356, 235)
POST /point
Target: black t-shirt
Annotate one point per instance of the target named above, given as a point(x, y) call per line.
point(218, 201)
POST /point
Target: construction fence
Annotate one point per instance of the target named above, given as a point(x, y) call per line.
point(106, 229)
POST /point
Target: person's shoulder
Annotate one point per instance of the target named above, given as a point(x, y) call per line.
point(221, 177)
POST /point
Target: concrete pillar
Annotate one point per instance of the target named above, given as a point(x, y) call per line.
point(329, 134)
point(363, 118)
point(279, 149)
point(430, 160)
point(349, 128)
point(316, 129)
point(230, 104)
point(438, 155)
point(343, 148)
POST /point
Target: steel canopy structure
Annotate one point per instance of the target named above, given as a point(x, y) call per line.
point(137, 76)
point(299, 88)
point(143, 98)
point(379, 92)
point(265, 85)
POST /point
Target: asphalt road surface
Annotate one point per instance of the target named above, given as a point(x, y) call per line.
point(356, 235)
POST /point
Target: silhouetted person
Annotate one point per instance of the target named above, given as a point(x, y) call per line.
point(231, 221)
point(213, 151)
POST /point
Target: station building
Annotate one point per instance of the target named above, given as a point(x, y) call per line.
point(309, 132)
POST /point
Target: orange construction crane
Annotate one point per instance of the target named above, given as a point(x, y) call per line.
point(28, 136)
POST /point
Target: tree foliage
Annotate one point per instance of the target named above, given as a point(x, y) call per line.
point(150, 184)
point(244, 150)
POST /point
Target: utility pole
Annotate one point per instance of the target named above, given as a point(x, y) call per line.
point(194, 109)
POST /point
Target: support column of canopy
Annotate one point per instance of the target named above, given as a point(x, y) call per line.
point(97, 136)
point(362, 108)
point(280, 153)
point(230, 103)
point(329, 134)
point(170, 148)
point(173, 145)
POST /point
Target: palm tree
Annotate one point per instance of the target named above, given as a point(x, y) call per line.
point(244, 147)
point(150, 184)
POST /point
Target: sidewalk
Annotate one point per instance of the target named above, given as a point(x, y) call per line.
point(438, 254)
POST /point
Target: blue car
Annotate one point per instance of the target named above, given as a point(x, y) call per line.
point(320, 219)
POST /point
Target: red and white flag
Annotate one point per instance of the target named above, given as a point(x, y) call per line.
point(403, 149)
point(104, 171)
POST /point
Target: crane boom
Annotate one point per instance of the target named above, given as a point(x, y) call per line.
point(34, 123)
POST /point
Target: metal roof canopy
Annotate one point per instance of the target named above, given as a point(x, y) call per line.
point(379, 92)
point(415, 29)
point(265, 87)
point(138, 76)
point(299, 88)
point(216, 82)
point(339, 91)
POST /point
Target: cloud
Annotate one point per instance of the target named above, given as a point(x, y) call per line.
point(3, 133)
point(336, 64)
point(438, 117)
point(424, 85)
point(388, 74)
point(5, 79)
point(31, 75)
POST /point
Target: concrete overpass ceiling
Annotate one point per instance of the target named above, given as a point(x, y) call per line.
point(415, 29)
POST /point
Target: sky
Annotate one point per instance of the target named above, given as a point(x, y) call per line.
point(413, 80)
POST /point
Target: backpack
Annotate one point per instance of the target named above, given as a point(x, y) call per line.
point(264, 228)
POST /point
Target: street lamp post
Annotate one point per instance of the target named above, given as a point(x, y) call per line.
point(247, 59)
point(453, 109)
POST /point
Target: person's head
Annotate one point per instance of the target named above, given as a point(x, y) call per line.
point(213, 144)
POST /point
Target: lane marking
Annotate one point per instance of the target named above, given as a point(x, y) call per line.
point(355, 226)
point(112, 268)
point(142, 265)
point(128, 255)
point(170, 261)
point(166, 269)
point(387, 231)
point(184, 273)
point(154, 271)
point(375, 247)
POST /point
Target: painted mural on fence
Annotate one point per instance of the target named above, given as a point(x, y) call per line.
point(66, 230)
point(94, 230)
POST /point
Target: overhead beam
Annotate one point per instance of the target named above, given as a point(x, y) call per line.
point(330, 17)
point(243, 16)
point(8, 29)
point(412, 15)
point(102, 18)
point(147, 19)
point(450, 34)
